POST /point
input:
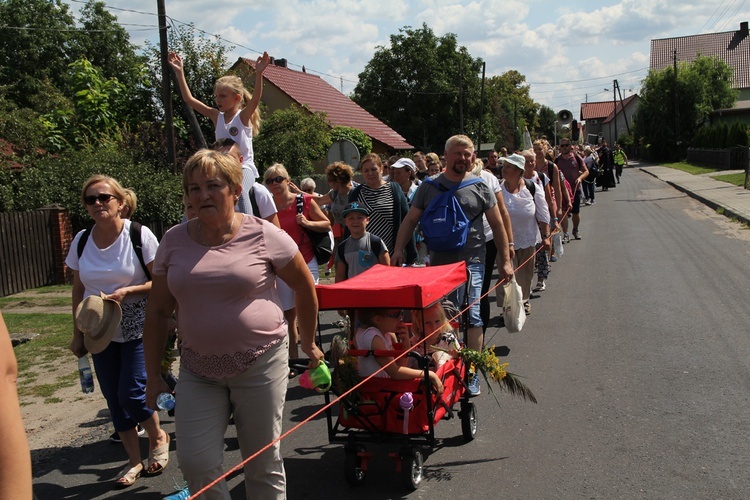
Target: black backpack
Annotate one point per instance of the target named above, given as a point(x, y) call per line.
point(135, 240)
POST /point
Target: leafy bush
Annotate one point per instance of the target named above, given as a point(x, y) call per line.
point(58, 180)
point(359, 138)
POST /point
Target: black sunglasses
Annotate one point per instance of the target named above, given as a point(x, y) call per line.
point(275, 180)
point(101, 198)
point(394, 316)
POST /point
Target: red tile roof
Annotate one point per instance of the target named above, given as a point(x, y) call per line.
point(603, 110)
point(320, 96)
point(733, 47)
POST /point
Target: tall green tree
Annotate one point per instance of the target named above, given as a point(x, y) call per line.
point(509, 109)
point(546, 117)
point(419, 84)
point(701, 86)
point(37, 41)
point(106, 45)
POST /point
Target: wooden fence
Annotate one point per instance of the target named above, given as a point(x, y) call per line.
point(33, 247)
point(27, 251)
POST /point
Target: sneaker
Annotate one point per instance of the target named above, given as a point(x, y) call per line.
point(540, 286)
point(474, 389)
point(588, 202)
point(527, 308)
point(576, 234)
point(115, 437)
point(183, 494)
point(553, 258)
point(566, 238)
point(593, 202)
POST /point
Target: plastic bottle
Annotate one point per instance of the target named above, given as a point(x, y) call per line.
point(165, 401)
point(406, 401)
point(84, 373)
point(318, 379)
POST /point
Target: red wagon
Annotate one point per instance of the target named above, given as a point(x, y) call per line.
point(376, 415)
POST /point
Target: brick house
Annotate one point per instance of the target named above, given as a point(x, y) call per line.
point(284, 87)
point(607, 121)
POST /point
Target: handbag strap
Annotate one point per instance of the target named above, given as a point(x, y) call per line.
point(300, 203)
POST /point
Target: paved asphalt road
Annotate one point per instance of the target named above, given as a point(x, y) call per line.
point(637, 351)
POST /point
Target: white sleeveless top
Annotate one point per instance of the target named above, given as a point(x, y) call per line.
point(240, 134)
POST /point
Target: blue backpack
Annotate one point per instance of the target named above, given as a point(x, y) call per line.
point(443, 223)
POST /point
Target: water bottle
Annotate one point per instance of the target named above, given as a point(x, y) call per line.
point(165, 401)
point(84, 373)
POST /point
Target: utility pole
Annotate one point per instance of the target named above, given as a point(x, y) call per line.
point(460, 97)
point(622, 105)
point(481, 110)
point(676, 109)
point(614, 101)
point(166, 94)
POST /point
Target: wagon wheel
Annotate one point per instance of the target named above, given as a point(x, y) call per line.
point(354, 472)
point(468, 420)
point(411, 468)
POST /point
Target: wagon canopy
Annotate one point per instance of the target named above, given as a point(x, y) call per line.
point(393, 287)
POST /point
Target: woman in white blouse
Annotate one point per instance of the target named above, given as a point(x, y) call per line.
point(529, 215)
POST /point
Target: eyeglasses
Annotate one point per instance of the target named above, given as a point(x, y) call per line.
point(275, 180)
point(101, 198)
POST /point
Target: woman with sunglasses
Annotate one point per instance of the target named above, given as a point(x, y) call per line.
point(220, 268)
point(297, 214)
point(109, 264)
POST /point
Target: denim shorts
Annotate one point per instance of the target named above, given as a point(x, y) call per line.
point(476, 276)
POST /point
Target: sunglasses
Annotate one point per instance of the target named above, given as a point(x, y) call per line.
point(275, 180)
point(564, 145)
point(101, 198)
point(394, 315)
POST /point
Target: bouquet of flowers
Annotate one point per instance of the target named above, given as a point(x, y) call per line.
point(493, 371)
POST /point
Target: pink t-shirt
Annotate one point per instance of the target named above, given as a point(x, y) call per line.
point(229, 311)
point(288, 222)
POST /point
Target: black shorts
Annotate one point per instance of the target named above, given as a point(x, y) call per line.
point(576, 202)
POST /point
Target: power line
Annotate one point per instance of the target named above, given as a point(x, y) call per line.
point(712, 15)
point(117, 8)
point(609, 77)
point(730, 18)
point(80, 30)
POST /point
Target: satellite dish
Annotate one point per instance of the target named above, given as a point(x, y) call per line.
point(345, 151)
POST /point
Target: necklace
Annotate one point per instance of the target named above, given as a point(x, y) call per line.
point(223, 240)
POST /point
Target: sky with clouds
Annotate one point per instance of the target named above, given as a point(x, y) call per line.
point(568, 50)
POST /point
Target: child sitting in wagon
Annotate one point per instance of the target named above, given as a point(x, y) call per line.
point(370, 336)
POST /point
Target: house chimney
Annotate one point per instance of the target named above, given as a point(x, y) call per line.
point(280, 63)
point(743, 29)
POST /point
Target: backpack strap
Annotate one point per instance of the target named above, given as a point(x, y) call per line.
point(530, 186)
point(82, 242)
point(253, 201)
point(135, 240)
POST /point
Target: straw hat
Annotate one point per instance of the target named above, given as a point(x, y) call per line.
point(98, 318)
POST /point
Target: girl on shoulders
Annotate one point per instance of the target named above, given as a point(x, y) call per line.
point(236, 113)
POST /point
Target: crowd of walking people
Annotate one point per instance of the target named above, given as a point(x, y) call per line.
point(237, 276)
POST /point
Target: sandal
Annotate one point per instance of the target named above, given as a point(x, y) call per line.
point(128, 475)
point(158, 458)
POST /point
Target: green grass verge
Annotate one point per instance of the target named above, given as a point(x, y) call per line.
point(691, 169)
point(736, 179)
point(16, 301)
point(43, 352)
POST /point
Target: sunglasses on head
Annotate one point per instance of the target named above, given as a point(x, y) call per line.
point(275, 180)
point(101, 198)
